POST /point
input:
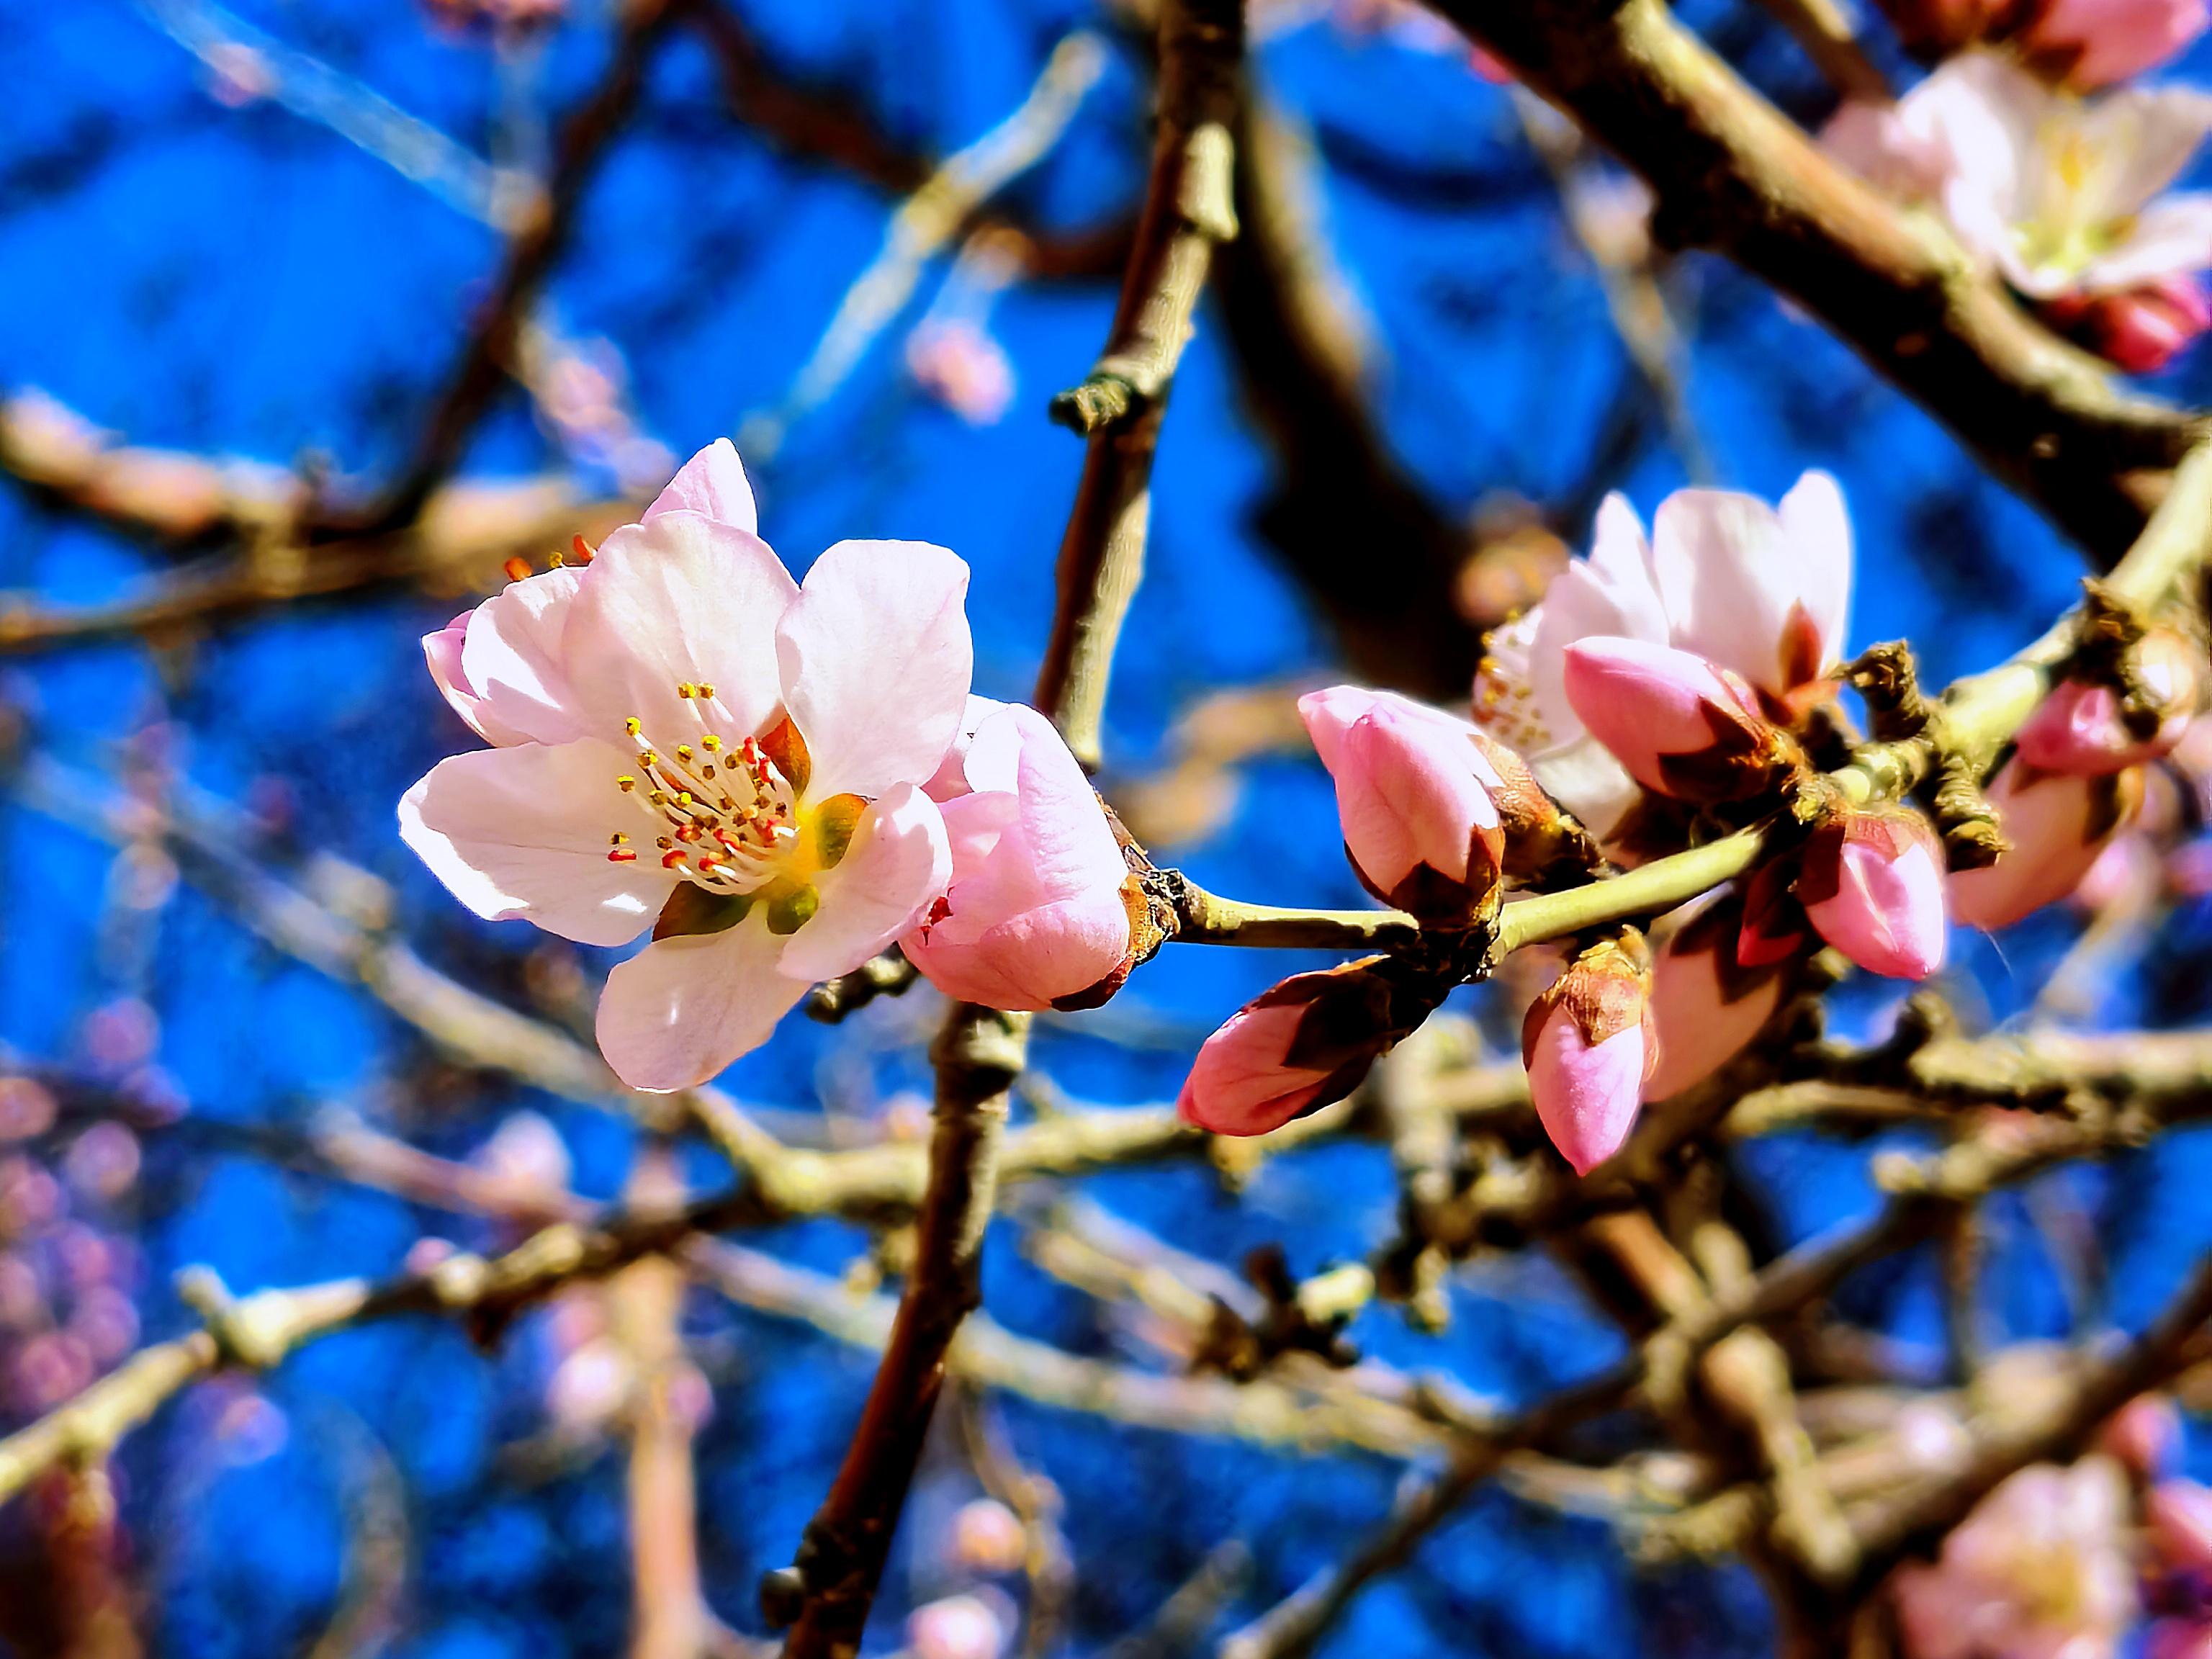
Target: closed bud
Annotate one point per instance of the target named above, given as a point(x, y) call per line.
point(2095, 43)
point(1680, 725)
point(1872, 884)
point(1707, 1005)
point(1589, 1043)
point(1298, 1046)
point(1414, 793)
point(2088, 729)
point(2057, 824)
point(2139, 330)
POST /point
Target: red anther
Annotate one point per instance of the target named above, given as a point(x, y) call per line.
point(582, 549)
point(687, 832)
point(516, 567)
point(671, 859)
point(622, 855)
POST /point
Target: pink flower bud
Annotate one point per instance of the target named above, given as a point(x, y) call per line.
point(2144, 1434)
point(1297, 1046)
point(1414, 795)
point(1589, 1045)
point(2082, 728)
point(2098, 42)
point(1680, 725)
point(2179, 1515)
point(1873, 885)
point(1706, 1006)
point(1039, 912)
point(2057, 824)
point(2142, 329)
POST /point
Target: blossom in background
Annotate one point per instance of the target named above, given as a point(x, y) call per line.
point(2059, 195)
point(1038, 912)
point(1763, 591)
point(1590, 1045)
point(2058, 824)
point(683, 732)
point(2040, 1570)
point(1416, 797)
point(2096, 43)
point(961, 365)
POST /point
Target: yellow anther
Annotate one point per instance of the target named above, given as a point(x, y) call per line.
point(684, 799)
point(687, 691)
point(683, 751)
point(616, 839)
point(710, 742)
point(659, 798)
point(706, 690)
point(633, 725)
point(649, 758)
point(625, 783)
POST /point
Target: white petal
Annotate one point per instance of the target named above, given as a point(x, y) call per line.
point(876, 661)
point(899, 864)
point(1613, 592)
point(1816, 535)
point(514, 659)
point(681, 1009)
point(684, 599)
point(712, 483)
point(1729, 579)
point(1586, 779)
point(2173, 237)
point(525, 832)
point(2138, 141)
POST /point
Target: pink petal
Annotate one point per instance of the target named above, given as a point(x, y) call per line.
point(950, 779)
point(1887, 913)
point(1699, 1031)
point(897, 864)
point(713, 484)
point(2179, 1515)
point(1031, 959)
point(514, 662)
point(1412, 792)
point(876, 661)
point(681, 599)
point(1586, 1095)
point(525, 832)
point(2058, 825)
point(442, 650)
point(2117, 39)
point(681, 1009)
point(1647, 703)
point(1240, 1084)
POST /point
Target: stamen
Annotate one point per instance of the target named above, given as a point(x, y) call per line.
point(622, 855)
point(516, 567)
point(582, 549)
point(710, 742)
point(633, 725)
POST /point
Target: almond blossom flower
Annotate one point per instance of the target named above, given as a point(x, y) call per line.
point(1036, 916)
point(2057, 824)
point(2038, 1570)
point(683, 732)
point(2054, 192)
point(1763, 591)
point(1415, 793)
point(1872, 883)
point(960, 365)
point(1589, 1045)
point(1678, 724)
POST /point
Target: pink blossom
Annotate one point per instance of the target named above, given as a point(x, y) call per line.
point(1297, 1045)
point(2179, 1515)
point(682, 731)
point(2099, 42)
point(2060, 196)
point(2144, 1434)
point(2079, 728)
point(1763, 591)
point(2139, 330)
point(1034, 916)
point(962, 367)
point(1873, 885)
point(1680, 725)
point(956, 1627)
point(1415, 793)
point(2038, 1570)
point(1590, 1046)
point(1706, 1007)
point(2057, 824)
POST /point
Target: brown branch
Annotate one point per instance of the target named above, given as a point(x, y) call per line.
point(1734, 175)
point(1188, 211)
point(531, 255)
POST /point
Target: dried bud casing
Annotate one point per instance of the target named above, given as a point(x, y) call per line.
point(1590, 1044)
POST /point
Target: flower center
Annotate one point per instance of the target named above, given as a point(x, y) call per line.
point(1504, 701)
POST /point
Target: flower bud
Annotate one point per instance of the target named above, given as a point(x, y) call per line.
point(1872, 883)
point(1589, 1044)
point(1298, 1046)
point(2139, 330)
point(2085, 728)
point(2057, 824)
point(2144, 1435)
point(1680, 725)
point(1414, 796)
point(2179, 1516)
point(2095, 43)
point(1706, 1005)
point(1043, 908)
